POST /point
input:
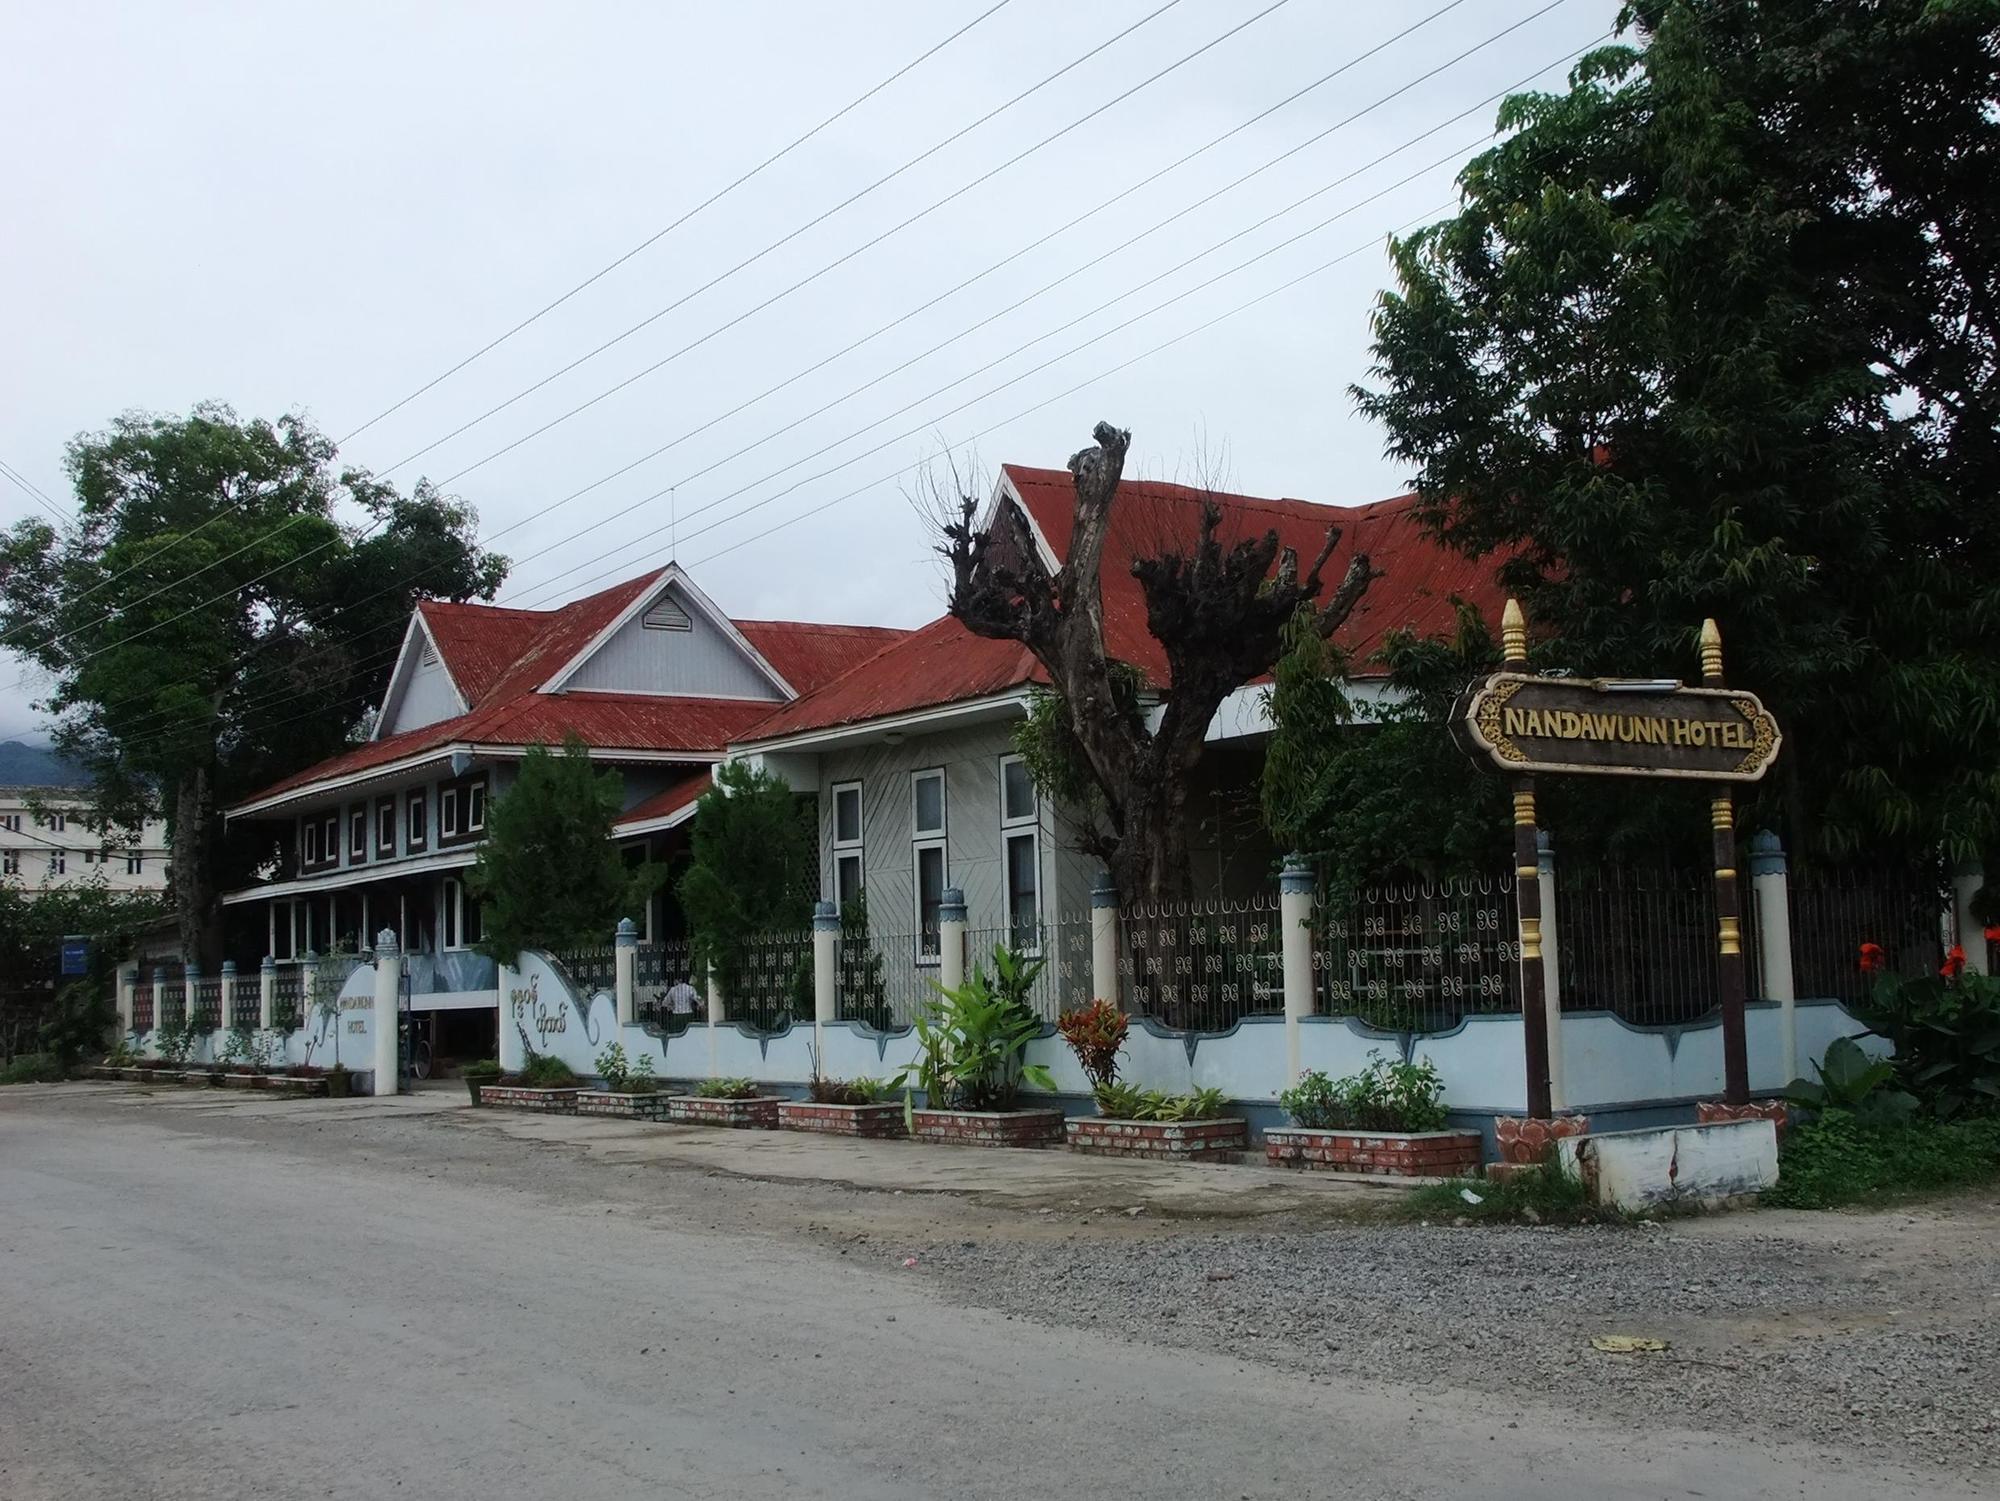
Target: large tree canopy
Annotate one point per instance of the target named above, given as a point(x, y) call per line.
point(1715, 334)
point(1218, 613)
point(222, 613)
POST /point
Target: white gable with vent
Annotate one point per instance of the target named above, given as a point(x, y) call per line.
point(672, 640)
point(421, 690)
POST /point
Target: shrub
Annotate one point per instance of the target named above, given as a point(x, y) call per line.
point(728, 1089)
point(971, 1041)
point(1095, 1033)
point(545, 1071)
point(1384, 1096)
point(1838, 1158)
point(33, 1068)
point(849, 1091)
point(1127, 1102)
point(1852, 1081)
point(1540, 1194)
point(482, 1068)
point(1946, 1029)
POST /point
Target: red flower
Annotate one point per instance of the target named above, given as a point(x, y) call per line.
point(1993, 932)
point(1872, 958)
point(1954, 963)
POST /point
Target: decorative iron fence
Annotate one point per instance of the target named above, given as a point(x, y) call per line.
point(142, 1007)
point(589, 968)
point(208, 1003)
point(247, 1005)
point(1061, 946)
point(1640, 942)
point(1418, 956)
point(287, 1000)
point(1201, 966)
point(1835, 911)
point(656, 969)
point(767, 980)
point(882, 980)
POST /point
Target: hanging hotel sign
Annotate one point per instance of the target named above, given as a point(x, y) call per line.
point(1617, 727)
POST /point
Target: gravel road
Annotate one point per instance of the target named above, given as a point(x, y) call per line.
point(289, 1300)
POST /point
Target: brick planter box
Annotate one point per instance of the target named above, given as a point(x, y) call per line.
point(521, 1097)
point(1715, 1112)
point(1220, 1140)
point(650, 1106)
point(1393, 1154)
point(760, 1113)
point(1524, 1140)
point(879, 1120)
point(990, 1128)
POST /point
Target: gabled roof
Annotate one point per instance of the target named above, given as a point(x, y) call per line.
point(500, 658)
point(666, 808)
point(943, 663)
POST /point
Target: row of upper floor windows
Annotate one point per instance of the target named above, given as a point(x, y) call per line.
point(58, 862)
point(394, 824)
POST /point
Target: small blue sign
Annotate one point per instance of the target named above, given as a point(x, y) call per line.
point(76, 956)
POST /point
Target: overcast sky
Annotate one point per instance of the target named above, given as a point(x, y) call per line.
point(322, 208)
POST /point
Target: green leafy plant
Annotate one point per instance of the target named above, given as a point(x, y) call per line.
point(545, 1071)
point(1836, 1158)
point(1850, 1080)
point(1946, 1032)
point(972, 1040)
point(1195, 1105)
point(1384, 1096)
point(1127, 1102)
point(1095, 1033)
point(121, 1054)
point(33, 1068)
point(176, 1042)
point(728, 1089)
point(754, 871)
point(478, 1074)
point(1541, 1194)
point(863, 1091)
point(613, 1067)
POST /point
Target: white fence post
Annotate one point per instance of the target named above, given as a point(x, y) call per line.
point(190, 978)
point(228, 1001)
point(1295, 902)
point(1965, 883)
point(1771, 889)
point(159, 996)
point(951, 938)
point(1104, 939)
point(128, 980)
point(267, 993)
point(1552, 1006)
point(625, 971)
point(388, 992)
point(826, 957)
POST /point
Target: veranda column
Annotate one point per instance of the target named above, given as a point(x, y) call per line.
point(388, 992)
point(267, 993)
point(1104, 939)
point(1770, 889)
point(826, 957)
point(951, 938)
point(625, 972)
point(1545, 879)
point(1295, 903)
point(228, 1001)
point(1965, 883)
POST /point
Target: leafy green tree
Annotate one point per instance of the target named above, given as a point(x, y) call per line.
point(222, 612)
point(549, 875)
point(755, 863)
point(40, 1007)
point(1379, 789)
point(1715, 334)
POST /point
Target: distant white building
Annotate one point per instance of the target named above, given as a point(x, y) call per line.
point(57, 847)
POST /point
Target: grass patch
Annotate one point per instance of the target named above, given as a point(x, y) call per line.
point(1835, 1160)
point(1541, 1195)
point(33, 1068)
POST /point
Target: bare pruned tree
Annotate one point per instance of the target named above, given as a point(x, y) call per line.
point(1217, 611)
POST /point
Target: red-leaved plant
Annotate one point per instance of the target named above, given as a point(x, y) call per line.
point(1095, 1033)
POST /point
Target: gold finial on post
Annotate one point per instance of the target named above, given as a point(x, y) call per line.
point(1711, 649)
point(1513, 632)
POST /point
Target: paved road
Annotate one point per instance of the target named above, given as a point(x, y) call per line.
point(188, 1313)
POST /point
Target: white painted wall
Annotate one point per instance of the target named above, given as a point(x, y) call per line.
point(426, 697)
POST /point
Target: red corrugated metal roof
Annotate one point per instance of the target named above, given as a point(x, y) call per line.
point(682, 794)
point(943, 663)
point(500, 657)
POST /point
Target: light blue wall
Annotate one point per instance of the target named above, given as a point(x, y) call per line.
point(701, 662)
point(427, 697)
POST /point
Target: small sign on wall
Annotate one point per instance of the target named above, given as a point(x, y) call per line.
point(357, 1024)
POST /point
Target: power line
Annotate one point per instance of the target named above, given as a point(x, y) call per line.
point(867, 245)
point(658, 235)
point(1025, 93)
point(1386, 98)
point(34, 493)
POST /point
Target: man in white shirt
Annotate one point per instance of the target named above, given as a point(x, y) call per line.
point(681, 998)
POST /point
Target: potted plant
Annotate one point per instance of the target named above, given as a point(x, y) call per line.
point(478, 1074)
point(1386, 1120)
point(339, 1082)
point(971, 1062)
point(725, 1102)
point(545, 1083)
point(630, 1090)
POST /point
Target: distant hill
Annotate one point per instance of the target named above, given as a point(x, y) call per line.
point(36, 766)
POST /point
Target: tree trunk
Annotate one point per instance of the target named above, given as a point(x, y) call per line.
point(196, 842)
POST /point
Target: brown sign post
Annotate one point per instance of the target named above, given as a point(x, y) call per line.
point(1521, 725)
